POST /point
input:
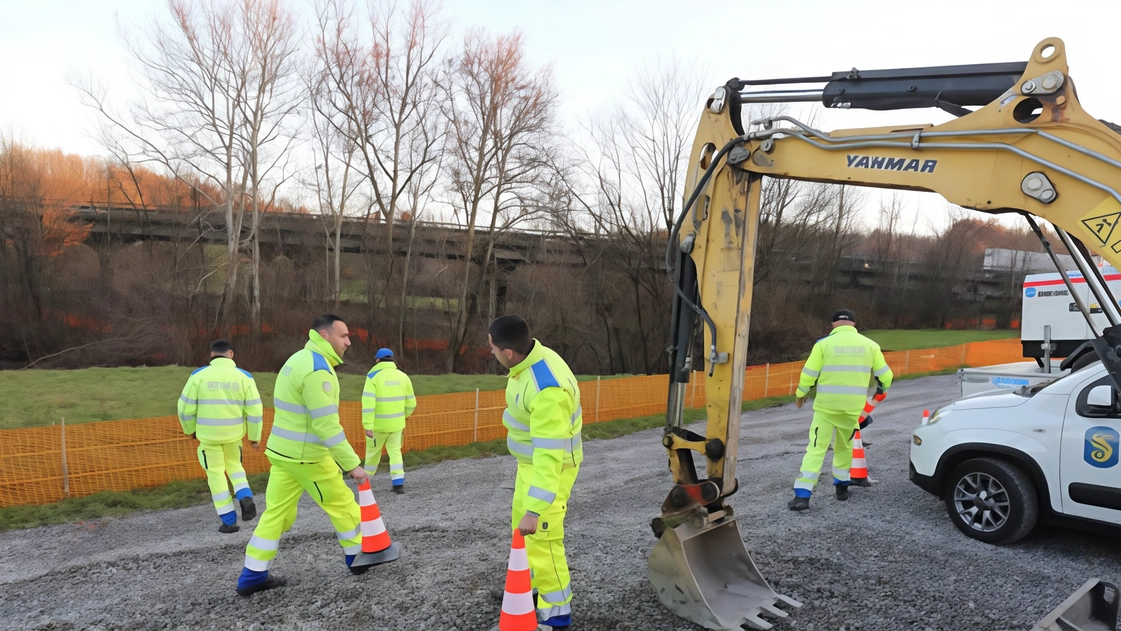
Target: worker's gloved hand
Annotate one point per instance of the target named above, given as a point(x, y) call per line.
point(866, 422)
point(799, 402)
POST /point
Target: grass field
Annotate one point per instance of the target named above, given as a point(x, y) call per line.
point(39, 397)
point(909, 340)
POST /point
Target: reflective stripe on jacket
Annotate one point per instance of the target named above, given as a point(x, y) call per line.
point(219, 402)
point(543, 421)
point(387, 399)
point(306, 424)
point(843, 365)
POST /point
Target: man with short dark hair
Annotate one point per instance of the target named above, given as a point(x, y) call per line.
point(543, 421)
point(218, 403)
point(843, 366)
point(307, 447)
point(387, 400)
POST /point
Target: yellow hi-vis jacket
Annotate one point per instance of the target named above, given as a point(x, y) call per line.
point(543, 421)
point(843, 365)
point(387, 399)
point(306, 426)
point(218, 402)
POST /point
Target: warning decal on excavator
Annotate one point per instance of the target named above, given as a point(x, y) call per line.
point(1102, 222)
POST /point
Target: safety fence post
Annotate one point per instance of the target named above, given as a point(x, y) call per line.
point(475, 438)
point(963, 347)
point(65, 471)
point(907, 363)
point(791, 380)
point(597, 398)
point(766, 380)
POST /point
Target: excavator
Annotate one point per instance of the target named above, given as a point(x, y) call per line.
point(1019, 142)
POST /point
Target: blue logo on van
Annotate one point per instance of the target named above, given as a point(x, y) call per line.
point(1101, 447)
point(1030, 292)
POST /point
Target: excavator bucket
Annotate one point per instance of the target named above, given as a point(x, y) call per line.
point(707, 576)
point(1092, 608)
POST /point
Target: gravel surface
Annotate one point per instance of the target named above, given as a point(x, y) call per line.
point(888, 559)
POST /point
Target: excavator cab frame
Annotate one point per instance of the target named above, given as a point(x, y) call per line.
point(1029, 148)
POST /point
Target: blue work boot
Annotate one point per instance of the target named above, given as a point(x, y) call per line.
point(229, 523)
point(250, 582)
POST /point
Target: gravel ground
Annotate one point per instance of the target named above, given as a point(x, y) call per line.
point(888, 559)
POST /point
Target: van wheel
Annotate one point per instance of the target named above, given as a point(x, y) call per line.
point(992, 500)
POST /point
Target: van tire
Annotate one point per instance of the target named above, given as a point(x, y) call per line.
point(991, 500)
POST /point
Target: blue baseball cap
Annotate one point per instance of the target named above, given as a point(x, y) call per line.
point(384, 353)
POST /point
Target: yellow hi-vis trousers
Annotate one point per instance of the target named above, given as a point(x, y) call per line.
point(220, 461)
point(392, 443)
point(825, 423)
point(287, 483)
point(545, 548)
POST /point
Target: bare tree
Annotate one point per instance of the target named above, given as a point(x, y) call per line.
point(500, 113)
point(334, 179)
point(217, 87)
point(385, 87)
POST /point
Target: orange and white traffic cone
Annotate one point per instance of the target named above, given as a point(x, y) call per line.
point(858, 474)
point(518, 610)
point(377, 548)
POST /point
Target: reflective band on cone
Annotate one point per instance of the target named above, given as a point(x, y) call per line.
point(518, 611)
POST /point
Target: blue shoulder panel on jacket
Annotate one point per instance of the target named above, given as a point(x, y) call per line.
point(372, 373)
point(246, 373)
point(199, 369)
point(319, 362)
point(543, 376)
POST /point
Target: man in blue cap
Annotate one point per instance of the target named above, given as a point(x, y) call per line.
point(387, 400)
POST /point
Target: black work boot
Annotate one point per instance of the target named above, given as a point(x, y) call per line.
point(248, 509)
point(228, 528)
point(842, 491)
point(399, 489)
point(271, 582)
point(358, 571)
point(798, 503)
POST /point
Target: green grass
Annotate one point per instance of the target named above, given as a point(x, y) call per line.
point(35, 398)
point(909, 340)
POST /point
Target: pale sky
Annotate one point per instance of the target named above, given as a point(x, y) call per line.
point(594, 46)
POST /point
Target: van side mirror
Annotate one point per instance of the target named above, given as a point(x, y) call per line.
point(1100, 396)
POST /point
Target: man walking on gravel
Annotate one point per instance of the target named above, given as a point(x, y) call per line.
point(387, 400)
point(543, 421)
point(306, 448)
point(218, 403)
point(842, 365)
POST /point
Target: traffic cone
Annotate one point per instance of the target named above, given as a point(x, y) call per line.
point(518, 610)
point(377, 548)
point(858, 474)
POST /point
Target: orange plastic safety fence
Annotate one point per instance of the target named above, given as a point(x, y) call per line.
point(122, 455)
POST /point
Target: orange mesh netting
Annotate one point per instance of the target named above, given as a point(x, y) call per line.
point(124, 455)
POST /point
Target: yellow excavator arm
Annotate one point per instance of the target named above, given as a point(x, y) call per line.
point(1029, 148)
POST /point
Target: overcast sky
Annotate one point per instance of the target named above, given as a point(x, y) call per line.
point(595, 45)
